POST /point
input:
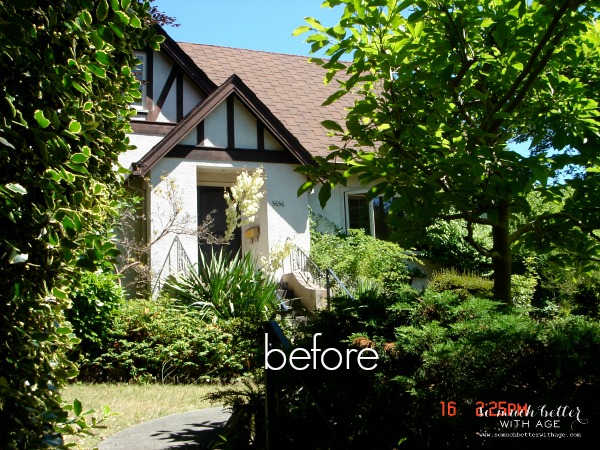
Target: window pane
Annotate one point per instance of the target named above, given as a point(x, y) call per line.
point(381, 210)
point(358, 213)
point(139, 71)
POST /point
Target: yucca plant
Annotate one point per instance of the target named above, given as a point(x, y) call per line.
point(226, 287)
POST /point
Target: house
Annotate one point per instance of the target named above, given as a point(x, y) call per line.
point(206, 114)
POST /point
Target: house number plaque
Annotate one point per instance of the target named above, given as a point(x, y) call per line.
point(278, 203)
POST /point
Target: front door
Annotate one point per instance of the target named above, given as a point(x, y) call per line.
point(211, 200)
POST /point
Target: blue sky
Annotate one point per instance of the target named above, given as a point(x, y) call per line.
point(252, 24)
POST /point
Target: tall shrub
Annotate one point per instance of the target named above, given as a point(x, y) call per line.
point(95, 301)
point(357, 256)
point(66, 77)
point(159, 341)
point(446, 244)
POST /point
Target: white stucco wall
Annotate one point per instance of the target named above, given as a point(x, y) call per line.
point(245, 127)
point(191, 138)
point(162, 66)
point(162, 254)
point(215, 127)
point(282, 214)
point(271, 143)
point(143, 144)
point(288, 213)
point(191, 96)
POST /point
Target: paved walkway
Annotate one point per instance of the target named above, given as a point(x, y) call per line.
point(191, 430)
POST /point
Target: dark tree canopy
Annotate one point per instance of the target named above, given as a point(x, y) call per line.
point(442, 91)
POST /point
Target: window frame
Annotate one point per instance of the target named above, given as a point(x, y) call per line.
point(372, 217)
point(142, 105)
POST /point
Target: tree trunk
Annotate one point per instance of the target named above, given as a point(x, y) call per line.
point(501, 255)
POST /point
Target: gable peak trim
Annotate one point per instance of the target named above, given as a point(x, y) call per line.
point(233, 86)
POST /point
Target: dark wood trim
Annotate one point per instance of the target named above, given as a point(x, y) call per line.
point(230, 122)
point(233, 86)
point(142, 127)
point(200, 133)
point(197, 75)
point(213, 154)
point(149, 79)
point(164, 93)
point(179, 95)
point(260, 134)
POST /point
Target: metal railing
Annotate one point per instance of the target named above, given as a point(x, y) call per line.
point(301, 263)
point(177, 261)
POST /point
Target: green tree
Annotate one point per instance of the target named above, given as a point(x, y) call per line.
point(66, 80)
point(441, 88)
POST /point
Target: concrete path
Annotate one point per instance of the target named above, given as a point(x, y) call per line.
point(192, 430)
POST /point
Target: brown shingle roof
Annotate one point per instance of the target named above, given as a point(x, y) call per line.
point(291, 87)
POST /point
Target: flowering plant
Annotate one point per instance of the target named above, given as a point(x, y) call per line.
point(243, 200)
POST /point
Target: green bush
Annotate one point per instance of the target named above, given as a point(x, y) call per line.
point(438, 347)
point(156, 340)
point(446, 245)
point(358, 256)
point(522, 290)
point(566, 292)
point(464, 284)
point(95, 301)
point(586, 300)
point(227, 288)
point(487, 355)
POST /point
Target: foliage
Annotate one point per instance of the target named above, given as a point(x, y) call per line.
point(446, 245)
point(158, 341)
point(567, 294)
point(67, 82)
point(523, 290)
point(469, 284)
point(246, 425)
point(586, 300)
point(438, 347)
point(225, 288)
point(441, 89)
point(95, 300)
point(464, 284)
point(477, 353)
point(358, 256)
point(83, 422)
point(160, 18)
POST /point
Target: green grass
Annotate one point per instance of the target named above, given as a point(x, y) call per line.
point(133, 404)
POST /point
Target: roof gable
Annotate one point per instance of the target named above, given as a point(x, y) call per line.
point(232, 90)
point(291, 88)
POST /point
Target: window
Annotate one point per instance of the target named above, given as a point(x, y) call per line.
point(139, 71)
point(359, 216)
point(369, 216)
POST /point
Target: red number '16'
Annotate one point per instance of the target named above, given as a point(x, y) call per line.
point(448, 409)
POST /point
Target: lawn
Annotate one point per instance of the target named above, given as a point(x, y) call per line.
point(133, 404)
